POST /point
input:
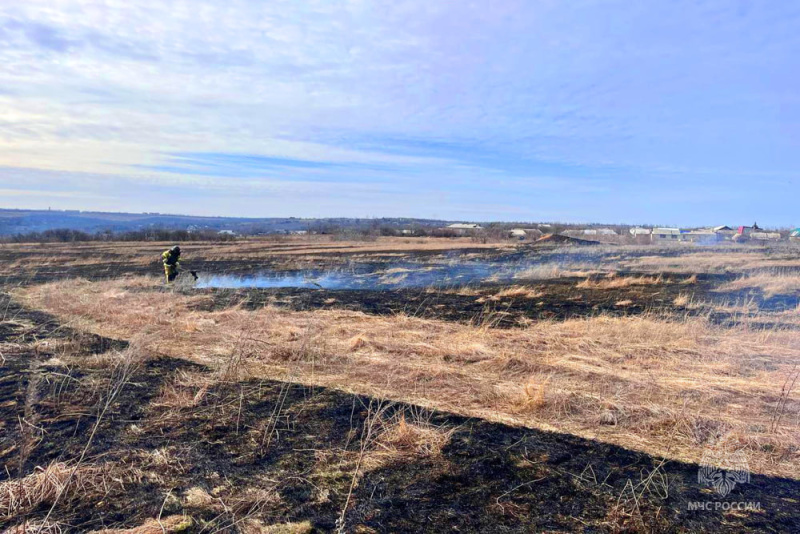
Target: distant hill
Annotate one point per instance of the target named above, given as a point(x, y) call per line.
point(14, 222)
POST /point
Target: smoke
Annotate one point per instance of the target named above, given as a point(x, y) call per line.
point(450, 271)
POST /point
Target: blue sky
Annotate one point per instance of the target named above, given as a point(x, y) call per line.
point(585, 111)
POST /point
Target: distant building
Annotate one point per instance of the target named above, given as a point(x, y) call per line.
point(665, 235)
point(747, 230)
point(795, 235)
point(226, 232)
point(640, 235)
point(744, 233)
point(533, 233)
point(700, 236)
point(464, 228)
point(606, 231)
point(724, 232)
point(524, 233)
point(765, 236)
point(591, 231)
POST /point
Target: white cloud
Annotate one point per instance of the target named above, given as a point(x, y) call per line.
point(611, 94)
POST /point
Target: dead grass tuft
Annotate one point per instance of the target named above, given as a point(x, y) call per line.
point(468, 292)
point(534, 393)
point(358, 341)
point(518, 291)
point(44, 485)
point(619, 282)
point(254, 527)
point(197, 497)
point(409, 435)
point(35, 527)
point(682, 300)
point(180, 395)
point(165, 525)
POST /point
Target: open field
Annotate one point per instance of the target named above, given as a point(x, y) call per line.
point(460, 387)
point(278, 253)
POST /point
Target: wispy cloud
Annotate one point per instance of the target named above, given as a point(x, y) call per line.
point(505, 108)
point(45, 194)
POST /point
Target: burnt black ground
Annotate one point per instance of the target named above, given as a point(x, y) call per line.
point(489, 478)
point(560, 299)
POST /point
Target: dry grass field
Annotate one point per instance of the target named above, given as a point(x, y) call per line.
point(594, 375)
point(665, 385)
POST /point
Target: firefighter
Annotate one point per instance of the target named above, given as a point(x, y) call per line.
point(172, 265)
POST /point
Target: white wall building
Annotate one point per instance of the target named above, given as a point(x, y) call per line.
point(464, 228)
point(665, 235)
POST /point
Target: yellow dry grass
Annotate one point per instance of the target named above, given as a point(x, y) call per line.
point(44, 485)
point(551, 270)
point(172, 524)
point(406, 437)
point(518, 292)
point(619, 282)
point(683, 300)
point(663, 385)
point(723, 259)
point(769, 283)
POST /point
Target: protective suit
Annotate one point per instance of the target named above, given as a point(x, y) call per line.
point(172, 265)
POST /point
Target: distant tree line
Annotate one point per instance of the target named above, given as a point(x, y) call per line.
point(64, 235)
point(374, 231)
point(360, 230)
